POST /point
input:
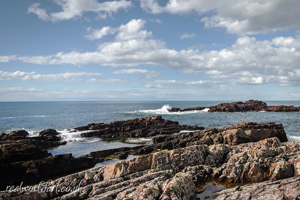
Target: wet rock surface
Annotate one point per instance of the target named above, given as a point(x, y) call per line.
point(174, 164)
point(135, 128)
point(248, 106)
point(232, 135)
point(173, 174)
point(285, 189)
point(26, 159)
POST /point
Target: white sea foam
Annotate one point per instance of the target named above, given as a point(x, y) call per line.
point(165, 111)
point(138, 140)
point(293, 138)
point(189, 131)
point(31, 116)
point(70, 135)
point(33, 133)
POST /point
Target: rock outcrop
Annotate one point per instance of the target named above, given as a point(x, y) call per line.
point(248, 106)
point(170, 170)
point(232, 135)
point(26, 159)
point(173, 174)
point(285, 189)
point(139, 127)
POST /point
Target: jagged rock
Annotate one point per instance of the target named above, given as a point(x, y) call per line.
point(48, 132)
point(15, 135)
point(139, 127)
point(232, 135)
point(50, 135)
point(185, 109)
point(20, 151)
point(172, 174)
point(285, 189)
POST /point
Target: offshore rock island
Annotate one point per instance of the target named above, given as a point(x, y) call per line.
point(254, 156)
point(248, 106)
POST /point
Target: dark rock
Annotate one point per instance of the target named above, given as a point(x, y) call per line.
point(248, 106)
point(20, 151)
point(186, 109)
point(139, 127)
point(21, 134)
point(48, 132)
point(3, 136)
point(172, 174)
point(50, 135)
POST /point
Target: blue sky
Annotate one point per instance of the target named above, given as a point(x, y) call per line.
point(149, 50)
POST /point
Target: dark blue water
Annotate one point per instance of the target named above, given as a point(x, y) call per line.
point(62, 116)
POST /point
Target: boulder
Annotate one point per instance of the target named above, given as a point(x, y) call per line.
point(48, 132)
point(21, 134)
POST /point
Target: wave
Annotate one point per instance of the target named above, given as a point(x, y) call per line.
point(165, 111)
point(138, 140)
point(36, 116)
point(70, 135)
point(293, 138)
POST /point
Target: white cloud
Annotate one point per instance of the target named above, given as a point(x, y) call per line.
point(159, 86)
point(296, 94)
point(66, 77)
point(239, 16)
point(95, 80)
point(116, 94)
point(19, 89)
point(99, 33)
point(247, 61)
point(186, 35)
point(148, 74)
point(156, 21)
point(41, 13)
point(72, 9)
point(188, 83)
point(8, 58)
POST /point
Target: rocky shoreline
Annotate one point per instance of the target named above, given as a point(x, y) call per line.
point(170, 168)
point(248, 106)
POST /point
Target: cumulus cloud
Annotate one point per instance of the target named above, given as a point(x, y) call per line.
point(186, 35)
point(65, 77)
point(72, 9)
point(247, 61)
point(41, 13)
point(203, 83)
point(148, 74)
point(238, 17)
point(8, 58)
point(99, 33)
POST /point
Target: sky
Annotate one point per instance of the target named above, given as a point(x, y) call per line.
point(149, 50)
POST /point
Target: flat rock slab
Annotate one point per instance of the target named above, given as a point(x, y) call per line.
point(285, 189)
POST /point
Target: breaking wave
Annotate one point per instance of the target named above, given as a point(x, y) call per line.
point(165, 111)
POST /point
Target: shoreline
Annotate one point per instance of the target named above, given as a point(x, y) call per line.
point(171, 159)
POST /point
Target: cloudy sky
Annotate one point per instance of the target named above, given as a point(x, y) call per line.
point(149, 50)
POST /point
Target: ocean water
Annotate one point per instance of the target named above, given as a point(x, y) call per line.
point(63, 116)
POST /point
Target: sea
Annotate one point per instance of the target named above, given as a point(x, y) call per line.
point(64, 116)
